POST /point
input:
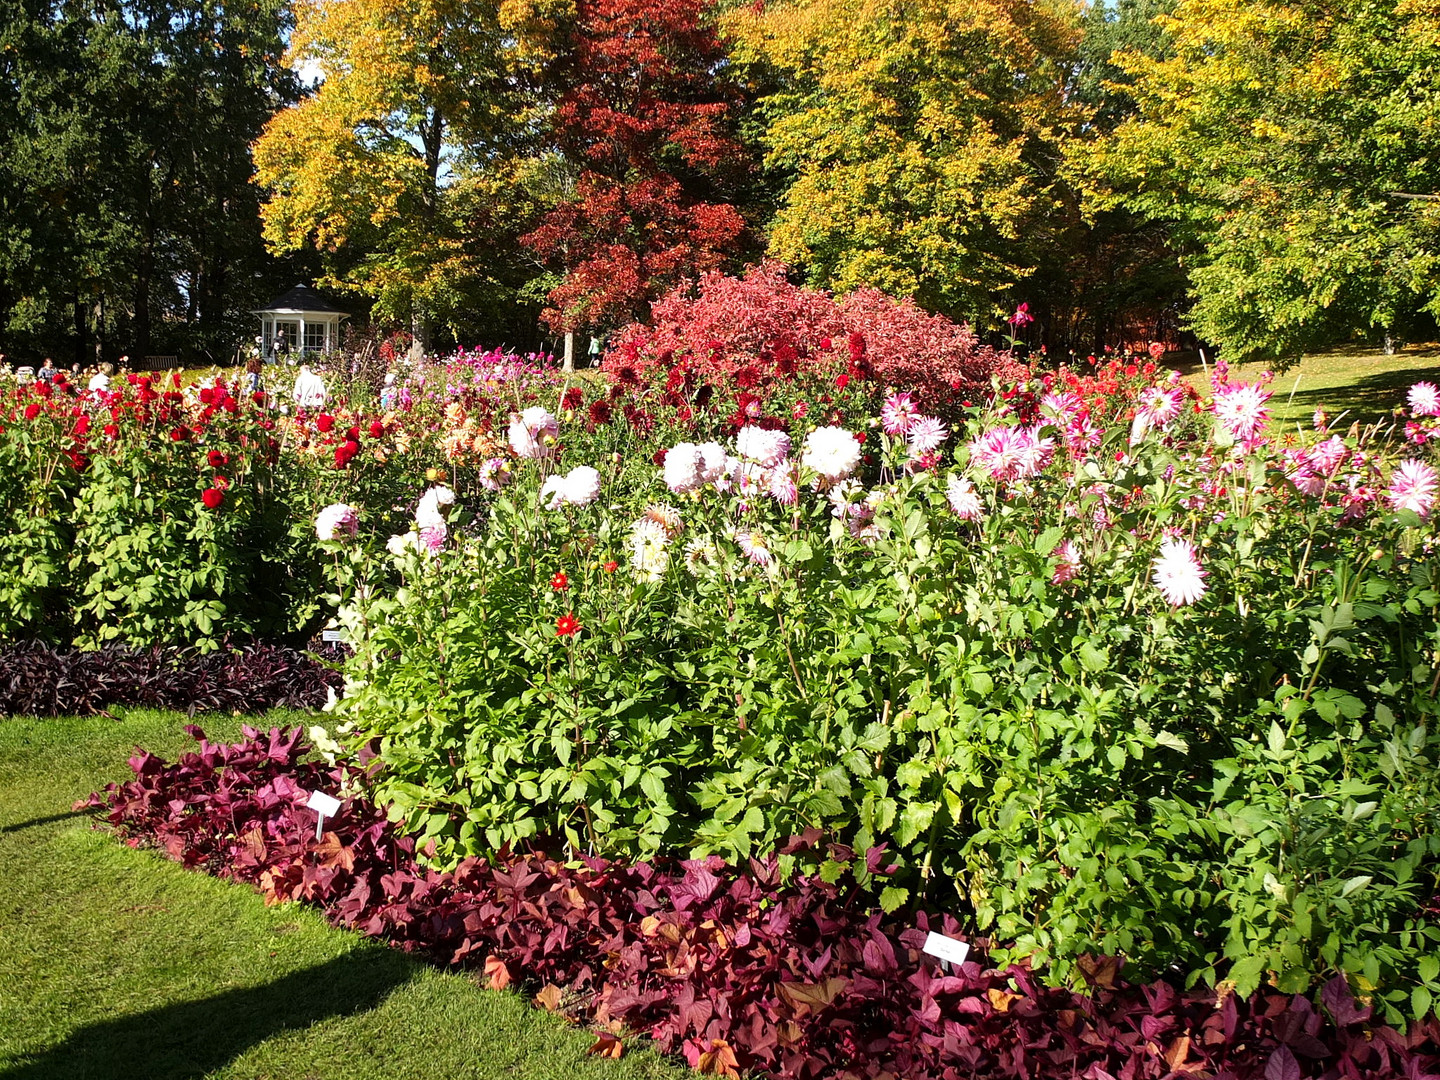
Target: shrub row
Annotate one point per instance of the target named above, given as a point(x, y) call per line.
point(43, 680)
point(731, 968)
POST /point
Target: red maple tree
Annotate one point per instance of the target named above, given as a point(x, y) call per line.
point(644, 110)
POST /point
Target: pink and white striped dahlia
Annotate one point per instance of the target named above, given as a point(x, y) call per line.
point(926, 433)
point(1062, 405)
point(1177, 574)
point(964, 499)
point(755, 547)
point(1424, 399)
point(1412, 487)
point(1161, 404)
point(1004, 452)
point(1242, 409)
point(1067, 563)
point(898, 413)
point(784, 486)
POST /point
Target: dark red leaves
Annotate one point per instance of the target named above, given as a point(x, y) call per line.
point(731, 969)
point(39, 680)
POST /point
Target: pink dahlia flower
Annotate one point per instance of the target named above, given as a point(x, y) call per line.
point(898, 413)
point(1412, 487)
point(1424, 399)
point(964, 499)
point(926, 433)
point(1067, 563)
point(1177, 574)
point(1242, 409)
point(338, 521)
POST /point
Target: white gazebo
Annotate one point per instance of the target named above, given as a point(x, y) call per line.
point(310, 322)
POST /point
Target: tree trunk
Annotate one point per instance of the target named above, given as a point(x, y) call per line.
point(569, 364)
point(419, 333)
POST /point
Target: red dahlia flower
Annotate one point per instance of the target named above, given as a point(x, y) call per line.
point(560, 582)
point(212, 498)
point(567, 625)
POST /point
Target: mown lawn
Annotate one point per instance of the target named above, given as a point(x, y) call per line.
point(1365, 386)
point(116, 963)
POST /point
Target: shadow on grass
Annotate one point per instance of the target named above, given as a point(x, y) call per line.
point(33, 822)
point(192, 1038)
point(1373, 397)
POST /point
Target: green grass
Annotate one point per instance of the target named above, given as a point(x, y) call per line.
point(116, 963)
point(1365, 385)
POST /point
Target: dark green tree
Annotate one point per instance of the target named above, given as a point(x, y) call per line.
point(127, 217)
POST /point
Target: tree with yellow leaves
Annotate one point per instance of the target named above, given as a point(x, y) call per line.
point(918, 140)
point(1294, 149)
point(382, 166)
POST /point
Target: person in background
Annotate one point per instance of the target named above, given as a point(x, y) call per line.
point(254, 366)
point(47, 371)
point(387, 392)
point(309, 392)
point(100, 381)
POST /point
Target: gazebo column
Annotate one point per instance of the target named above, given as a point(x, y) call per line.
point(302, 337)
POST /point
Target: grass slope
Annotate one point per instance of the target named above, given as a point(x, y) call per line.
point(116, 963)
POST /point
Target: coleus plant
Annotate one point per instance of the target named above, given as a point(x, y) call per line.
point(737, 969)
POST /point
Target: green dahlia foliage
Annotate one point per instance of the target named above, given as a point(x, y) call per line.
point(1113, 674)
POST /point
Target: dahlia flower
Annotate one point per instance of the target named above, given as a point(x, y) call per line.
point(1242, 409)
point(494, 474)
point(433, 536)
point(964, 499)
point(926, 434)
point(713, 459)
point(399, 545)
point(1067, 563)
point(1161, 404)
point(1412, 487)
point(784, 484)
point(1011, 453)
point(648, 554)
point(1424, 399)
point(337, 521)
point(702, 560)
point(768, 448)
point(832, 452)
point(533, 433)
point(755, 547)
point(897, 414)
point(1177, 574)
point(684, 465)
point(579, 487)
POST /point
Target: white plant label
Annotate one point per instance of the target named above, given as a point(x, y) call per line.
point(332, 635)
point(325, 806)
point(947, 949)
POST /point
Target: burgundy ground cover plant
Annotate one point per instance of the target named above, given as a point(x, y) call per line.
point(44, 680)
point(733, 968)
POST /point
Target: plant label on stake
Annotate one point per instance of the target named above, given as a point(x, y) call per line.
point(329, 636)
point(324, 806)
point(946, 949)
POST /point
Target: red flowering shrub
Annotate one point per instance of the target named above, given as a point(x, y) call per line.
point(735, 969)
point(751, 332)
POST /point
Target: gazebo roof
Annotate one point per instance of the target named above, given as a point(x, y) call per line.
point(301, 299)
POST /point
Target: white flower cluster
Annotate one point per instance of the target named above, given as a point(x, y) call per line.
point(338, 521)
point(579, 487)
point(689, 467)
point(832, 452)
point(534, 433)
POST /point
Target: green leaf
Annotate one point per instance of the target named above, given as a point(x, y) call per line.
point(1355, 884)
point(893, 898)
